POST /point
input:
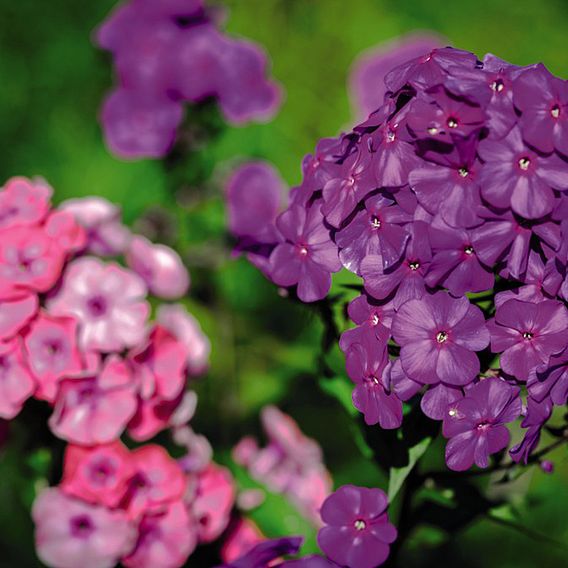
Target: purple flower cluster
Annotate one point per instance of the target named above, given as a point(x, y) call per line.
point(170, 52)
point(456, 182)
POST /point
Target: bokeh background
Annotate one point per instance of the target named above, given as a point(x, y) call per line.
point(265, 348)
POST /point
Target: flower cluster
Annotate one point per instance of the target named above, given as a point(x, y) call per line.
point(168, 53)
point(449, 198)
point(74, 328)
point(356, 533)
point(290, 463)
point(137, 507)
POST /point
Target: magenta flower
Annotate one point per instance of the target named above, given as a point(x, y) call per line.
point(543, 101)
point(367, 368)
point(159, 266)
point(107, 300)
point(71, 533)
point(476, 423)
point(367, 75)
point(439, 336)
point(157, 480)
point(95, 409)
point(265, 552)
point(186, 329)
point(52, 352)
point(24, 202)
point(308, 257)
point(106, 235)
point(97, 474)
point(527, 334)
point(379, 229)
point(550, 380)
point(16, 380)
point(165, 539)
point(517, 177)
point(357, 532)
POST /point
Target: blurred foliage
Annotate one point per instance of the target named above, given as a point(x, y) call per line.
point(265, 348)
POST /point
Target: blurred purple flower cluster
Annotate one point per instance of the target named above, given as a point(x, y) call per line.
point(449, 195)
point(168, 53)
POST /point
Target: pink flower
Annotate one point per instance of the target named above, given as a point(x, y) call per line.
point(186, 328)
point(165, 540)
point(16, 382)
point(152, 416)
point(157, 481)
point(212, 499)
point(23, 202)
point(15, 314)
point(107, 300)
point(65, 231)
point(98, 474)
point(52, 352)
point(29, 261)
point(71, 533)
point(95, 409)
point(159, 266)
point(106, 235)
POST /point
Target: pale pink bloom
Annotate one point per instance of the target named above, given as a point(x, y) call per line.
point(211, 500)
point(52, 352)
point(24, 202)
point(199, 450)
point(15, 314)
point(187, 330)
point(309, 490)
point(95, 409)
point(186, 409)
point(30, 261)
point(245, 451)
point(159, 266)
point(106, 235)
point(16, 381)
point(241, 539)
point(97, 474)
point(165, 540)
point(109, 302)
point(71, 533)
point(250, 499)
point(157, 481)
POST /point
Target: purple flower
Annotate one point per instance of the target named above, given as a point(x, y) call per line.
point(368, 71)
point(107, 300)
point(438, 336)
point(367, 368)
point(536, 417)
point(312, 561)
point(71, 533)
point(357, 532)
point(550, 380)
point(475, 425)
point(140, 126)
point(450, 186)
point(527, 334)
point(515, 176)
point(543, 101)
point(379, 229)
point(455, 264)
point(406, 278)
point(353, 181)
point(372, 320)
point(308, 257)
point(265, 552)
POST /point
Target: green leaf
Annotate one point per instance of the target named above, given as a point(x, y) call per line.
point(399, 474)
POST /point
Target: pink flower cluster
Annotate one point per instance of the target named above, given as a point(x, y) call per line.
point(290, 463)
point(74, 329)
point(170, 52)
point(138, 507)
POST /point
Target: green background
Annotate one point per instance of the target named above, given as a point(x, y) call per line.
point(264, 347)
